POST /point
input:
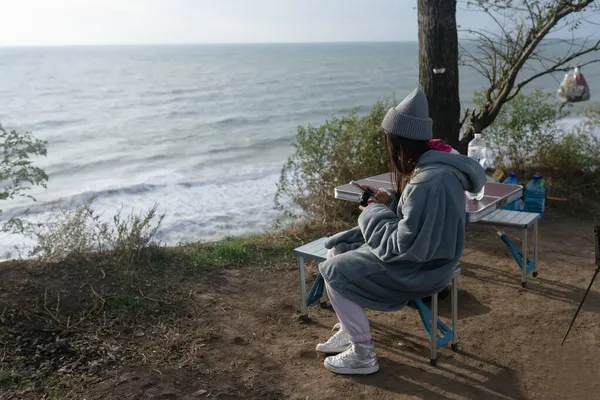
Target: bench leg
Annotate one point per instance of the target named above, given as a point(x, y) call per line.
point(303, 312)
point(524, 266)
point(454, 344)
point(434, 329)
point(535, 249)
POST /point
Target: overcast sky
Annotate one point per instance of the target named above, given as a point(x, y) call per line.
point(67, 22)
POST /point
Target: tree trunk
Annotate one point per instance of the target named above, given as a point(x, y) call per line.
point(438, 49)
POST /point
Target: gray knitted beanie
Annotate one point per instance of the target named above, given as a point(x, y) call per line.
point(410, 119)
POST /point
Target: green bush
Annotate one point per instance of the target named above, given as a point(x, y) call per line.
point(522, 130)
point(527, 138)
point(572, 160)
point(17, 172)
point(327, 156)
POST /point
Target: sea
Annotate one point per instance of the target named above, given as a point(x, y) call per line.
point(200, 130)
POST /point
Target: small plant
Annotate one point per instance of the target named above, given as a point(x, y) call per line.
point(234, 251)
point(62, 234)
point(131, 235)
point(327, 156)
point(81, 230)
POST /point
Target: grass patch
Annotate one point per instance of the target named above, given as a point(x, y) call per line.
point(123, 301)
point(235, 252)
point(144, 293)
point(230, 252)
point(132, 304)
point(9, 379)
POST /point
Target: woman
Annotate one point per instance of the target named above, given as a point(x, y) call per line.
point(405, 247)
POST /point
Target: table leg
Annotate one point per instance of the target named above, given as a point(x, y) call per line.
point(304, 314)
point(524, 262)
point(434, 329)
point(454, 311)
point(535, 248)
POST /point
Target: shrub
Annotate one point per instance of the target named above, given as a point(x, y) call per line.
point(526, 124)
point(61, 234)
point(17, 172)
point(342, 149)
point(131, 235)
point(572, 161)
point(527, 138)
point(75, 232)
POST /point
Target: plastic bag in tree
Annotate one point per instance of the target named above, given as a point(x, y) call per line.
point(574, 87)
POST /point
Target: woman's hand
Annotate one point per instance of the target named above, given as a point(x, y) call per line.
point(381, 197)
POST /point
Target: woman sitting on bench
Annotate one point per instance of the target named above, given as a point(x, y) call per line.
point(405, 247)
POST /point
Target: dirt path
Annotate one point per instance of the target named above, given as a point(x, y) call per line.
point(243, 340)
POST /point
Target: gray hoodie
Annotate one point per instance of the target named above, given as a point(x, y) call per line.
point(393, 257)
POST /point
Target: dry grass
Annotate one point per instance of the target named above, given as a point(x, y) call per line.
point(63, 323)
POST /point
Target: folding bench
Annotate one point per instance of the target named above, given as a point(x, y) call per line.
point(316, 251)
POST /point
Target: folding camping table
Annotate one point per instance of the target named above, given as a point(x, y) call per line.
point(496, 195)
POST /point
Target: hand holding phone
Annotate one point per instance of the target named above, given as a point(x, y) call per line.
point(368, 193)
point(365, 195)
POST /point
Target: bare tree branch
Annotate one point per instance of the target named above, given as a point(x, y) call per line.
point(555, 68)
point(524, 30)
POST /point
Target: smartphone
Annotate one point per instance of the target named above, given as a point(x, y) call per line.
point(366, 194)
point(362, 189)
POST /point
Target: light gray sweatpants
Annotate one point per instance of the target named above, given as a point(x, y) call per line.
point(352, 317)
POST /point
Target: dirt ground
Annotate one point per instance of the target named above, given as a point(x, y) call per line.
point(241, 338)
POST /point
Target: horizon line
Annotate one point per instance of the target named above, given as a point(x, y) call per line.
point(7, 46)
point(202, 43)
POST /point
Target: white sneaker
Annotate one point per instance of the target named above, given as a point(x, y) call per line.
point(340, 341)
point(359, 359)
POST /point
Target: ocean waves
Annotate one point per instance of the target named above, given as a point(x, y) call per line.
point(167, 184)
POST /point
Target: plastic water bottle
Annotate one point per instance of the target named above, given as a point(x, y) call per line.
point(512, 180)
point(535, 196)
point(477, 151)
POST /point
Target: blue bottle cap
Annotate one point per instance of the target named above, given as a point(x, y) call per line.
point(512, 175)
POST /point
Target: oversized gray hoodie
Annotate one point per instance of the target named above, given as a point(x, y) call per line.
point(393, 257)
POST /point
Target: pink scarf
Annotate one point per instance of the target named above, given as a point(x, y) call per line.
point(438, 144)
